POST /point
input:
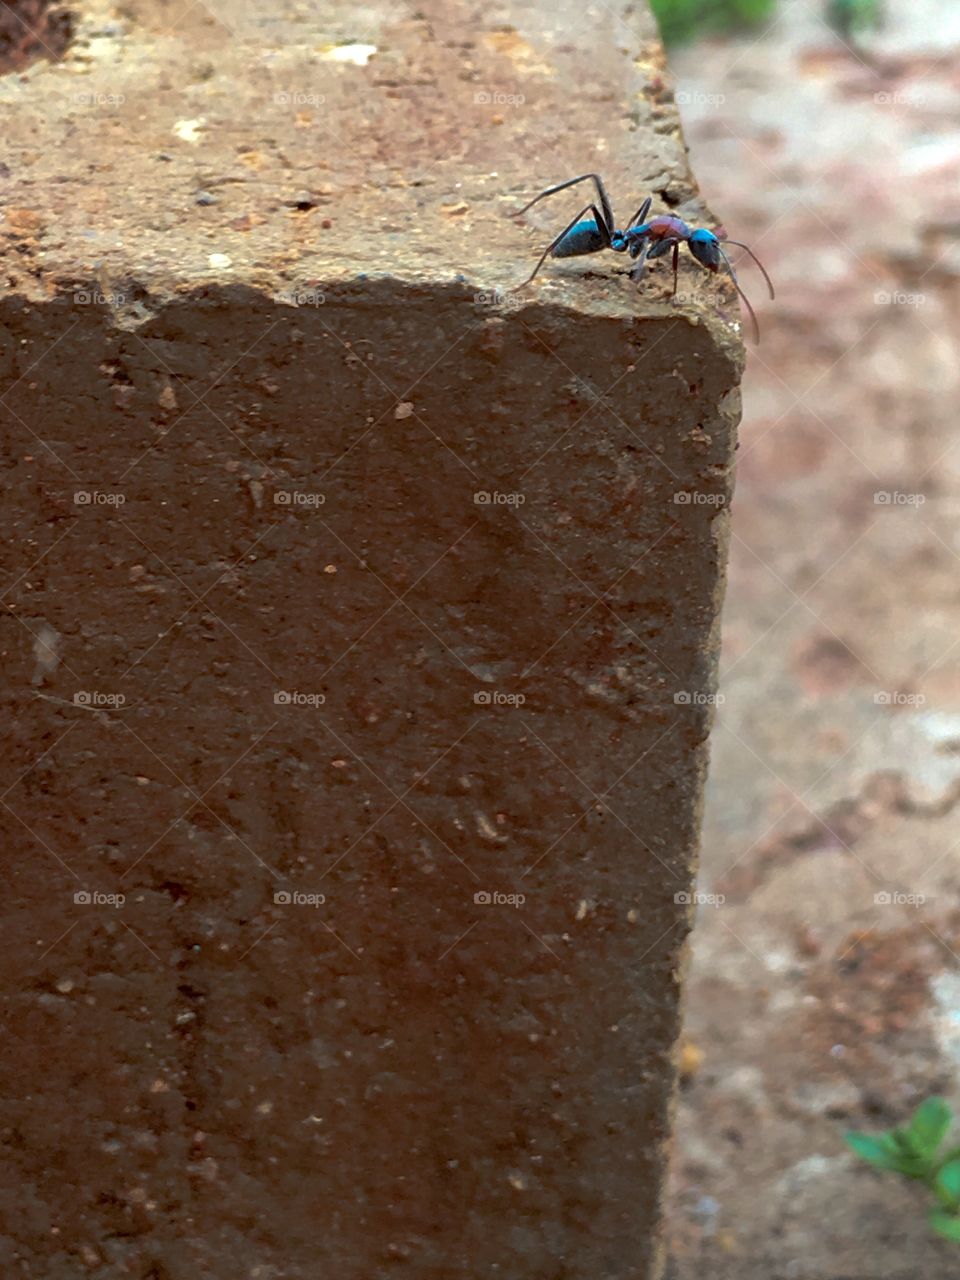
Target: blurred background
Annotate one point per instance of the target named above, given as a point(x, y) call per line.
point(825, 978)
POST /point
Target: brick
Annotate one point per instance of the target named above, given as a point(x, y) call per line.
point(332, 569)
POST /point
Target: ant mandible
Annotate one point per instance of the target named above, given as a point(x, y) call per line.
point(641, 239)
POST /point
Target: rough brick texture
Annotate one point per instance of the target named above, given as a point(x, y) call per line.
point(332, 570)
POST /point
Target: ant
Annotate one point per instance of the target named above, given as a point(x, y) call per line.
point(641, 239)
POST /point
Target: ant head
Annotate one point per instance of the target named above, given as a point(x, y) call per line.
point(705, 247)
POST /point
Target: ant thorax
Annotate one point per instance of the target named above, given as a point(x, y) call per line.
point(667, 224)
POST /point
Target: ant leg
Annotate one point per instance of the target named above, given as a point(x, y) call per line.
point(601, 228)
point(660, 249)
point(641, 214)
point(602, 196)
point(636, 271)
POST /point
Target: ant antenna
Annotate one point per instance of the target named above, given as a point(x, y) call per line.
point(746, 300)
point(741, 245)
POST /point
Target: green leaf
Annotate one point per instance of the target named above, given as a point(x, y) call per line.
point(850, 16)
point(929, 1125)
point(877, 1149)
point(892, 1150)
point(947, 1184)
point(946, 1223)
point(682, 20)
point(753, 10)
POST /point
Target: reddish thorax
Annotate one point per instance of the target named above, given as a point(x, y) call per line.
point(667, 225)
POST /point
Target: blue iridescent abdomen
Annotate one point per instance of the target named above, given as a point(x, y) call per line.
point(583, 238)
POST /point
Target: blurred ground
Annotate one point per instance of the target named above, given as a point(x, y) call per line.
point(825, 988)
